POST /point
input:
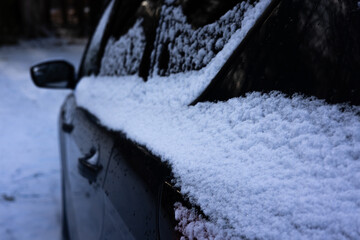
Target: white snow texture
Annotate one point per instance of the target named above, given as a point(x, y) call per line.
point(123, 57)
point(30, 202)
point(190, 49)
point(263, 166)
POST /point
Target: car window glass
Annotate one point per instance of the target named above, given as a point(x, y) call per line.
point(191, 33)
point(130, 40)
point(123, 56)
point(90, 61)
point(141, 34)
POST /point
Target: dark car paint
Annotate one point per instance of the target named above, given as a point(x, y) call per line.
point(122, 201)
point(83, 196)
point(131, 197)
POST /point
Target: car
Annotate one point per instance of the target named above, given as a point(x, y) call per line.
point(150, 137)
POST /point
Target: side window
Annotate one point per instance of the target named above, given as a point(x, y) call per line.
point(123, 56)
point(128, 48)
point(91, 57)
point(191, 33)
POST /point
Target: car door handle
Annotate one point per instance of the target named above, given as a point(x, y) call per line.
point(89, 165)
point(66, 127)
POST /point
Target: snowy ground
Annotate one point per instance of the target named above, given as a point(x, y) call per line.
point(29, 158)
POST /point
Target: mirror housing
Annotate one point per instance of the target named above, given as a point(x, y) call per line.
point(54, 74)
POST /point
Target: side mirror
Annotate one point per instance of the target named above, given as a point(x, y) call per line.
point(54, 74)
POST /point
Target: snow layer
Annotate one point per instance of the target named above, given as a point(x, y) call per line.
point(263, 166)
point(182, 88)
point(190, 49)
point(193, 226)
point(123, 57)
point(30, 203)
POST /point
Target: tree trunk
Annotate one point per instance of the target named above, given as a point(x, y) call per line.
point(79, 9)
point(95, 10)
point(36, 18)
point(10, 21)
point(64, 9)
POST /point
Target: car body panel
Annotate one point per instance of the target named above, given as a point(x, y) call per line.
point(122, 202)
point(84, 191)
point(132, 186)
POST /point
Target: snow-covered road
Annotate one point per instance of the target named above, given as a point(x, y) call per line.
point(29, 158)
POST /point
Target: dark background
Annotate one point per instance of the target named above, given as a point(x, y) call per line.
point(28, 19)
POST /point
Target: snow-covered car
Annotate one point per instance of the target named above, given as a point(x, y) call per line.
point(213, 120)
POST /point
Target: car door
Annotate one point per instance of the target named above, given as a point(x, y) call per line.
point(85, 151)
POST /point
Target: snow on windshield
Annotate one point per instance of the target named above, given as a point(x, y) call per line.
point(184, 49)
point(123, 56)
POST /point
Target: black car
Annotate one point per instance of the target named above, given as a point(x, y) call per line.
point(114, 184)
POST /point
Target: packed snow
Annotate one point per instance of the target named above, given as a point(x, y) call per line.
point(30, 203)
